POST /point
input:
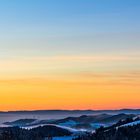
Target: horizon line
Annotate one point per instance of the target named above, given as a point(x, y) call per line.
point(70, 110)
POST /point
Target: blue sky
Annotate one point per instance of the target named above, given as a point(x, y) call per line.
point(55, 27)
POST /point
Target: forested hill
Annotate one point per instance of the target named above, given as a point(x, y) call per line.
point(114, 133)
point(39, 133)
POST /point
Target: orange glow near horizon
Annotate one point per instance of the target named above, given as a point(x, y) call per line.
point(77, 90)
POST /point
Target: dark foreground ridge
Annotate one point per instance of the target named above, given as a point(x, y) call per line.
point(121, 133)
point(39, 133)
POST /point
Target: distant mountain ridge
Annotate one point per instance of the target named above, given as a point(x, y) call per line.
point(132, 111)
point(84, 121)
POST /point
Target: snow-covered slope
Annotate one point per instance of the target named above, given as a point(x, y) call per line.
point(131, 124)
point(63, 138)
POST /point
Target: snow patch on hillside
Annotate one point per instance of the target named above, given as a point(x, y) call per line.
point(63, 138)
point(131, 124)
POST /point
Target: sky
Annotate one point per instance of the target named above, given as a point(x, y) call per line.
point(69, 54)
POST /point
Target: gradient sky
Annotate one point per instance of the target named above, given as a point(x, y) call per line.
point(69, 54)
